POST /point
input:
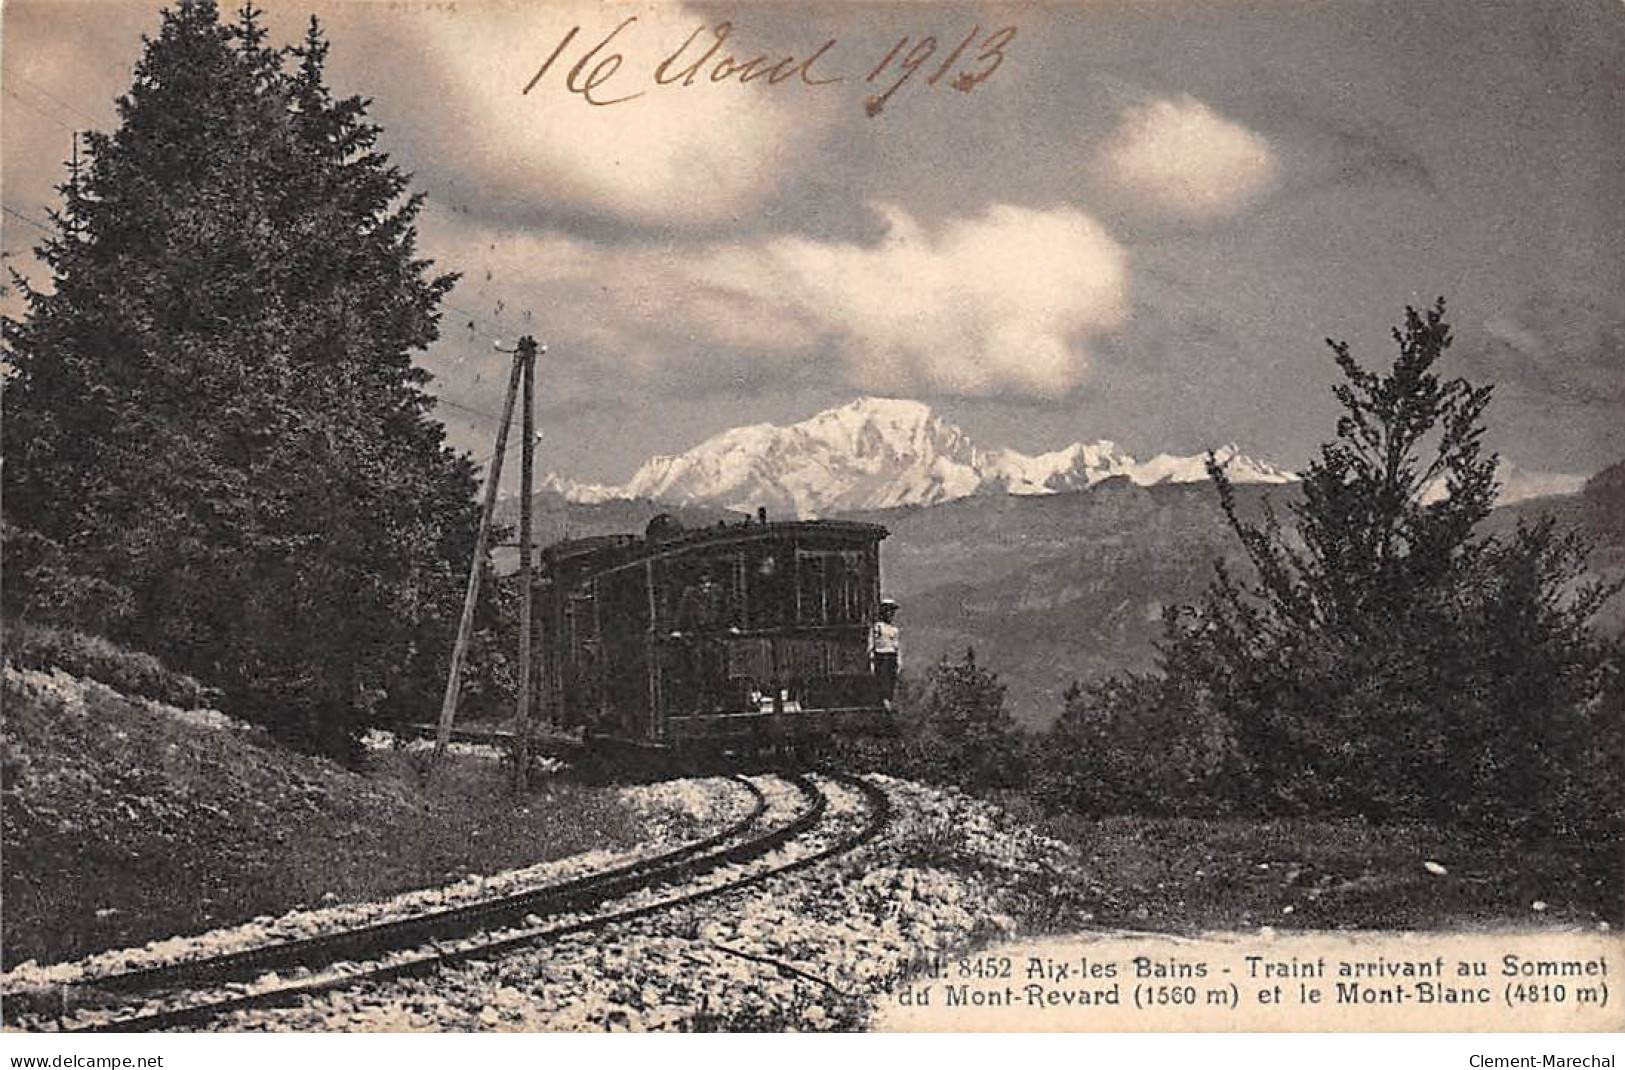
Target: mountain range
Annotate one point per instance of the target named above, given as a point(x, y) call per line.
point(883, 453)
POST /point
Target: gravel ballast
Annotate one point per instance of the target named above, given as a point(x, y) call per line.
point(814, 950)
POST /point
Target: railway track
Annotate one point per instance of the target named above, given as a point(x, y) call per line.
point(188, 994)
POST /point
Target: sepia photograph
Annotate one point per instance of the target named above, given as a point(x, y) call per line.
point(580, 517)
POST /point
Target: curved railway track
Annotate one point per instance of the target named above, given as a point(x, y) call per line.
point(408, 947)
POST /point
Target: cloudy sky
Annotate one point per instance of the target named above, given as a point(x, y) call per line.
point(1139, 226)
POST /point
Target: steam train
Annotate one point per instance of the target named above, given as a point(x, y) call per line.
point(739, 635)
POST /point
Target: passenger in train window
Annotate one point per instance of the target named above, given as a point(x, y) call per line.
point(702, 609)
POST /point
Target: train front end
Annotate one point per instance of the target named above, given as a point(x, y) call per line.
point(726, 638)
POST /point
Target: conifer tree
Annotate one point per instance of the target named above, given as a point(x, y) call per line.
point(1384, 658)
point(214, 406)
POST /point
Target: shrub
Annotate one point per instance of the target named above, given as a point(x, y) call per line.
point(1382, 658)
point(41, 646)
point(954, 728)
point(1134, 745)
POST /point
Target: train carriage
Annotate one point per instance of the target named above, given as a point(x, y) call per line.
point(691, 639)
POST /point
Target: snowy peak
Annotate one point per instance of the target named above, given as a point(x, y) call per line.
point(1075, 467)
point(870, 454)
point(877, 453)
point(575, 491)
point(1166, 468)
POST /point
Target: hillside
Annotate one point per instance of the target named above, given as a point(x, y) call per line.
point(1064, 587)
point(126, 820)
point(1598, 512)
point(1053, 589)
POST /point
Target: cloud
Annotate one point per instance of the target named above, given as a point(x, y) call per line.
point(998, 303)
point(1178, 157)
point(683, 155)
point(1001, 303)
point(1517, 484)
point(1567, 348)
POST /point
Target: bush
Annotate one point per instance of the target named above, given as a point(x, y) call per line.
point(954, 728)
point(1135, 745)
point(1605, 773)
point(40, 646)
point(1381, 659)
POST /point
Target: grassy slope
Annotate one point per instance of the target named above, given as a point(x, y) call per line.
point(121, 824)
point(1189, 875)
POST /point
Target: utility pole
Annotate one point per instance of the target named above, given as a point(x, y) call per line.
point(526, 356)
point(448, 705)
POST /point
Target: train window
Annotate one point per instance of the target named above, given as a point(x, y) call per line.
point(810, 608)
point(625, 601)
point(699, 593)
point(581, 626)
point(844, 584)
point(832, 586)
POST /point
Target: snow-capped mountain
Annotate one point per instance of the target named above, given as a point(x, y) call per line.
point(575, 491)
point(1077, 466)
point(1167, 468)
point(875, 453)
point(871, 454)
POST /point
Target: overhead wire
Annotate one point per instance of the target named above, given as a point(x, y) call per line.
point(467, 408)
point(13, 76)
point(37, 110)
point(48, 95)
point(36, 224)
point(493, 331)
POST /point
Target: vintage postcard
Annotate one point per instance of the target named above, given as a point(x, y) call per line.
point(1096, 516)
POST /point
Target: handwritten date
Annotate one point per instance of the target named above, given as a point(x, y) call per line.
point(707, 57)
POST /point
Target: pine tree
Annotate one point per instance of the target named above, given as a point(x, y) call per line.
point(215, 408)
point(1384, 658)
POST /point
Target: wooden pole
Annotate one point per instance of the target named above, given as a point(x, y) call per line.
point(448, 705)
point(527, 355)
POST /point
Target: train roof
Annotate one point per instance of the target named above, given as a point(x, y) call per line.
point(599, 552)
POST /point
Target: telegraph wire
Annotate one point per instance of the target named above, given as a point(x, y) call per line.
point(37, 110)
point(48, 95)
point(467, 408)
point(36, 224)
